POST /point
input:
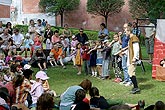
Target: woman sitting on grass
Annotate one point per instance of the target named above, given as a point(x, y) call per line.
point(40, 59)
point(68, 97)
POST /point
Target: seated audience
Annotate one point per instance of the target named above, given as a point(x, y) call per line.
point(37, 88)
point(68, 97)
point(45, 102)
point(80, 103)
point(58, 54)
point(40, 59)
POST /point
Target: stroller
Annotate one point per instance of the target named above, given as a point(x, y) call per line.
point(117, 67)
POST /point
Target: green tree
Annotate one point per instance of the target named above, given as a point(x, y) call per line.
point(147, 8)
point(58, 7)
point(104, 7)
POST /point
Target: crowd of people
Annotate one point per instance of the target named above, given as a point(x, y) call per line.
point(45, 47)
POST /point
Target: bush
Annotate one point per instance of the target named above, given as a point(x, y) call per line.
point(92, 35)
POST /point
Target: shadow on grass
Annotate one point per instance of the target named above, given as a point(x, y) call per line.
point(146, 86)
point(142, 80)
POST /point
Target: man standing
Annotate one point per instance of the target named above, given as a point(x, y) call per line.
point(133, 56)
point(81, 37)
point(149, 39)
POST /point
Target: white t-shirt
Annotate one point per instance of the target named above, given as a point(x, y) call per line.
point(17, 38)
point(149, 30)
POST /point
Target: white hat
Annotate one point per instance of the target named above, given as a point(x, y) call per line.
point(26, 66)
point(73, 36)
point(27, 35)
point(38, 31)
point(105, 41)
point(87, 42)
point(41, 75)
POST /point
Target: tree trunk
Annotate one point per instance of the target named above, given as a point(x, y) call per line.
point(62, 18)
point(106, 20)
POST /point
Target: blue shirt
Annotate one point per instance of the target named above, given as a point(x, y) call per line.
point(105, 32)
point(124, 40)
point(135, 30)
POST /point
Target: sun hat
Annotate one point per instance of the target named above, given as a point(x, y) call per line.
point(73, 36)
point(26, 66)
point(41, 75)
point(27, 35)
point(38, 31)
point(105, 41)
point(86, 43)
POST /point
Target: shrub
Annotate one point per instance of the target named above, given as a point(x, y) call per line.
point(92, 35)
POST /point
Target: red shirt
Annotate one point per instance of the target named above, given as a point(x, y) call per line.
point(85, 56)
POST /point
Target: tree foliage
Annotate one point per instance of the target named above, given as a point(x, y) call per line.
point(147, 8)
point(58, 7)
point(104, 7)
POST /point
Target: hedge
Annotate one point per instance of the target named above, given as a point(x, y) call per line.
point(92, 35)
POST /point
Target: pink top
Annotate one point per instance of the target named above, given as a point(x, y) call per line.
point(37, 41)
point(55, 39)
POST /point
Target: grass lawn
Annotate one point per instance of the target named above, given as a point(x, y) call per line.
point(151, 90)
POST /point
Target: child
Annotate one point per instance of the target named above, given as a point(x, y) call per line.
point(79, 60)
point(51, 59)
point(116, 59)
point(106, 58)
point(2, 63)
point(74, 42)
point(41, 59)
point(93, 56)
point(45, 102)
point(99, 59)
point(7, 76)
point(64, 44)
point(86, 58)
point(37, 41)
point(9, 57)
point(48, 43)
point(96, 100)
point(58, 54)
point(37, 88)
point(28, 42)
point(80, 102)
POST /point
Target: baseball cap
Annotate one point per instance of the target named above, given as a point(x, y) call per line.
point(26, 66)
point(41, 75)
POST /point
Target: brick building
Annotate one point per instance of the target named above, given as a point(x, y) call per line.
point(5, 10)
point(81, 18)
point(29, 9)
